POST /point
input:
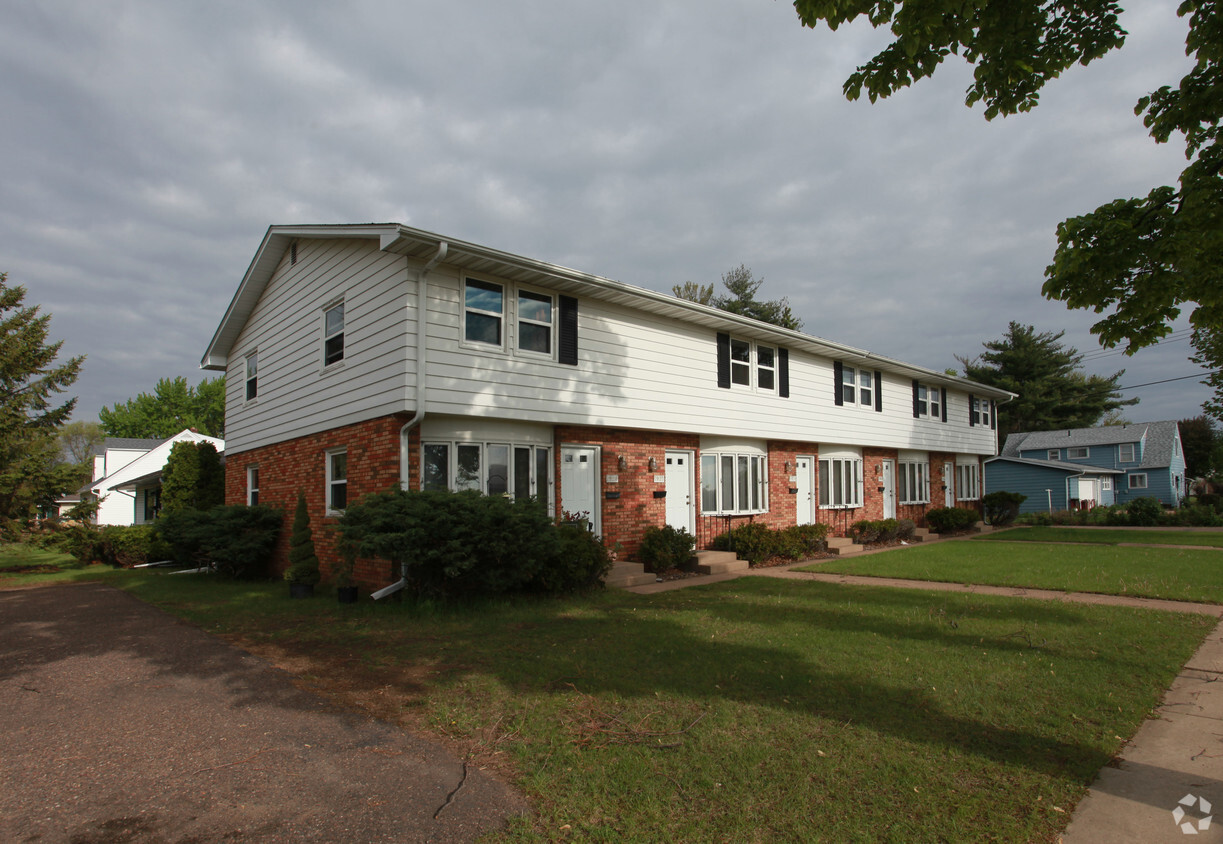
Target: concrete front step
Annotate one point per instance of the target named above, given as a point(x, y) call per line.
point(923, 535)
point(719, 562)
point(625, 574)
point(842, 545)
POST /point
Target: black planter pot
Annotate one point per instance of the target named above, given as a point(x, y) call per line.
point(346, 594)
point(301, 590)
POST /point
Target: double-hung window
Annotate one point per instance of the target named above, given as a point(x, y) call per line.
point(333, 334)
point(980, 411)
point(1076, 453)
point(733, 483)
point(740, 362)
point(483, 312)
point(252, 376)
point(935, 402)
point(252, 485)
point(337, 480)
point(1126, 453)
point(518, 470)
point(1054, 454)
point(766, 368)
point(914, 483)
point(857, 386)
point(534, 322)
point(1138, 481)
point(968, 481)
point(840, 482)
point(849, 381)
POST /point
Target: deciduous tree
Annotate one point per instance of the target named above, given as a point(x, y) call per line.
point(1141, 260)
point(193, 478)
point(173, 406)
point(30, 382)
point(1053, 390)
point(1199, 440)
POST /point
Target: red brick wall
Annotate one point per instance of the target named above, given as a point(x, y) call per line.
point(300, 464)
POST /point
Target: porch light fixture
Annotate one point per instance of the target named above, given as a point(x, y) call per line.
point(653, 465)
point(787, 467)
point(622, 464)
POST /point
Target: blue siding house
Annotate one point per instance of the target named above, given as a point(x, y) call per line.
point(1089, 467)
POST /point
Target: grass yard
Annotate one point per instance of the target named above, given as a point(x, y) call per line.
point(751, 710)
point(1172, 573)
point(25, 564)
point(1107, 536)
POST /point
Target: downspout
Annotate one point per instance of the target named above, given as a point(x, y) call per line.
point(422, 354)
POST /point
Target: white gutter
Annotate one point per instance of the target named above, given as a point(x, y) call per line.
point(422, 357)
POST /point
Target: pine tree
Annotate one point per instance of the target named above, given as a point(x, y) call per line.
point(193, 478)
point(303, 563)
point(31, 471)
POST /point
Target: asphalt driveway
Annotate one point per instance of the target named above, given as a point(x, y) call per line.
point(120, 723)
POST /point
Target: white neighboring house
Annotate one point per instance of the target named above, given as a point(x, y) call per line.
point(127, 477)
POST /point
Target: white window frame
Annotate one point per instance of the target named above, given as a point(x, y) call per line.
point(1135, 483)
point(747, 367)
point(857, 387)
point(333, 336)
point(540, 458)
point(334, 483)
point(967, 481)
point(251, 383)
point(1054, 454)
point(846, 470)
point(980, 411)
point(913, 478)
point(935, 401)
point(1106, 484)
point(740, 362)
point(764, 369)
point(520, 321)
point(1133, 452)
point(498, 315)
point(734, 483)
point(252, 485)
point(1072, 453)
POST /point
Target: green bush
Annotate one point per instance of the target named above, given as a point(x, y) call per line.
point(664, 548)
point(465, 544)
point(1212, 501)
point(1145, 512)
point(1002, 507)
point(905, 528)
point(951, 519)
point(868, 532)
point(128, 545)
point(755, 542)
point(236, 540)
point(798, 542)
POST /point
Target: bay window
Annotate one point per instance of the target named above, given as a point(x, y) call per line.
point(732, 483)
point(840, 482)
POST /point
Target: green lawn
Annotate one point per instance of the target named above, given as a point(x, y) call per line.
point(751, 710)
point(1173, 573)
point(27, 564)
point(1107, 536)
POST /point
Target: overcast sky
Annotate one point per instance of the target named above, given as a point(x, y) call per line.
point(148, 145)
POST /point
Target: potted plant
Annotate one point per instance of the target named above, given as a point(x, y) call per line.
point(303, 571)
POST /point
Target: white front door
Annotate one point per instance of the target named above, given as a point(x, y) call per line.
point(948, 484)
point(889, 488)
point(804, 482)
point(580, 483)
point(679, 486)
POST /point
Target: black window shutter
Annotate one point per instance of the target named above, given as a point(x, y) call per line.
point(993, 415)
point(944, 404)
point(724, 361)
point(567, 345)
point(783, 373)
point(836, 384)
point(878, 391)
point(915, 407)
point(972, 404)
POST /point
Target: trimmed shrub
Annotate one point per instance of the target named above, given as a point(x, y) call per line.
point(905, 528)
point(664, 548)
point(465, 544)
point(127, 546)
point(236, 540)
point(1002, 507)
point(303, 563)
point(798, 542)
point(1145, 512)
point(951, 519)
point(755, 542)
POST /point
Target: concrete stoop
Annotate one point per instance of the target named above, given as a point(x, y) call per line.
point(923, 535)
point(720, 562)
point(624, 574)
point(842, 545)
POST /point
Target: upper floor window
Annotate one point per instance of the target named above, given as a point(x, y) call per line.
point(979, 411)
point(928, 401)
point(1055, 454)
point(333, 334)
point(740, 362)
point(856, 386)
point(744, 363)
point(1079, 453)
point(252, 376)
point(484, 309)
point(534, 322)
point(766, 368)
point(1126, 454)
point(337, 480)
